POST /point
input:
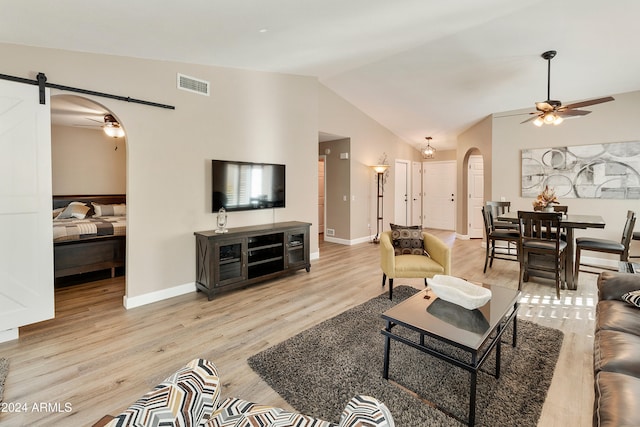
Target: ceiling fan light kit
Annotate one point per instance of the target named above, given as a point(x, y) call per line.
point(552, 111)
point(111, 127)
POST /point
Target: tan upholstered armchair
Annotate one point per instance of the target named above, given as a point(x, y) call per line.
point(414, 266)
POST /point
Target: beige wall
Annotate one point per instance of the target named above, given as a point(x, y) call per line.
point(442, 156)
point(85, 161)
point(369, 141)
point(476, 140)
point(615, 121)
point(337, 177)
point(253, 116)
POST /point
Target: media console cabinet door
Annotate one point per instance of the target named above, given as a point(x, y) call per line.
point(298, 248)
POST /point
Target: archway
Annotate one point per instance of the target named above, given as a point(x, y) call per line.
point(87, 164)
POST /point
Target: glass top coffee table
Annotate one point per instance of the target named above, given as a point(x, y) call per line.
point(476, 332)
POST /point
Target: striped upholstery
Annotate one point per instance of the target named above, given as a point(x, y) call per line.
point(183, 399)
point(361, 411)
point(366, 411)
point(240, 413)
point(190, 398)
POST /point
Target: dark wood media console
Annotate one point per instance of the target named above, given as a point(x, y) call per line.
point(246, 255)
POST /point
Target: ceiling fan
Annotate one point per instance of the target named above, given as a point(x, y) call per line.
point(111, 126)
point(552, 111)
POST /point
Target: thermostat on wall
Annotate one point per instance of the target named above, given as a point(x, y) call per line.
point(344, 156)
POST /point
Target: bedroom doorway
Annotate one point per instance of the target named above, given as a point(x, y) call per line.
point(87, 163)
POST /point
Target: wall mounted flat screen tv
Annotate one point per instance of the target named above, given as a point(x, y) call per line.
point(242, 186)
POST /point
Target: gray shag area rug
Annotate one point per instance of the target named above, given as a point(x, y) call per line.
point(4, 371)
point(320, 369)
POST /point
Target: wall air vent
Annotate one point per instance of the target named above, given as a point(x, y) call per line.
point(192, 84)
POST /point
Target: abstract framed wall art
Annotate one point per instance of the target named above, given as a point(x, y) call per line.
point(596, 171)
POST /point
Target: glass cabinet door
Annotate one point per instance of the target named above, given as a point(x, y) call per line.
point(231, 261)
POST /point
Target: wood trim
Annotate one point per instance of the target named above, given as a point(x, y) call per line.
point(104, 199)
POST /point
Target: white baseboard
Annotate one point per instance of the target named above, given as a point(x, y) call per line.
point(151, 297)
point(462, 236)
point(348, 242)
point(156, 296)
point(9, 335)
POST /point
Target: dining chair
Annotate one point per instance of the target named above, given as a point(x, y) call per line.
point(494, 235)
point(565, 210)
point(542, 252)
point(636, 236)
point(498, 208)
point(605, 245)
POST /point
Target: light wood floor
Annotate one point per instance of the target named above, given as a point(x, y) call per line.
point(97, 357)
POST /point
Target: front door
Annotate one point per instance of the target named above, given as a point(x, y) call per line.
point(439, 203)
point(26, 246)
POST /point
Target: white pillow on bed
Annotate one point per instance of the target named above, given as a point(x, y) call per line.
point(109, 210)
point(74, 210)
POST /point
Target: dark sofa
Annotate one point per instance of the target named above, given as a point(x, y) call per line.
point(616, 352)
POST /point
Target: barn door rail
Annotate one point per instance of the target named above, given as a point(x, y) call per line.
point(41, 82)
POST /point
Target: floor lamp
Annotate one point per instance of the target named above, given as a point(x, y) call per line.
point(380, 170)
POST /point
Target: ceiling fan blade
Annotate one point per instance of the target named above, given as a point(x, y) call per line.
point(530, 118)
point(571, 113)
point(544, 106)
point(589, 102)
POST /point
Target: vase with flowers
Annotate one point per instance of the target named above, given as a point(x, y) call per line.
point(545, 200)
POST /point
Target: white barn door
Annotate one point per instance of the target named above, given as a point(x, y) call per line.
point(26, 245)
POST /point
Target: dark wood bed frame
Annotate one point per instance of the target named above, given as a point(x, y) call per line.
point(91, 254)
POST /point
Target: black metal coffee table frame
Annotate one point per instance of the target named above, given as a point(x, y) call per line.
point(478, 355)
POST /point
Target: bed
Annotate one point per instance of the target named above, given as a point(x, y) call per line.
point(89, 233)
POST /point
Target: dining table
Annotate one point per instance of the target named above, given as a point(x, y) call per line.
point(569, 222)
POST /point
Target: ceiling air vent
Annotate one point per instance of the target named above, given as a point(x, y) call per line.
point(192, 84)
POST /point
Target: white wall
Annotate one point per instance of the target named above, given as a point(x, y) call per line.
point(253, 116)
point(615, 121)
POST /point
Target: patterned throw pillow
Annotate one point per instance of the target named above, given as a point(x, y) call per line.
point(74, 210)
point(407, 240)
point(632, 298)
point(109, 210)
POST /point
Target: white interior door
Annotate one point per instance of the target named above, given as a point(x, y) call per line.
point(439, 201)
point(401, 212)
point(416, 193)
point(476, 197)
point(26, 246)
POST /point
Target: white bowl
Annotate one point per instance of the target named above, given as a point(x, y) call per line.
point(459, 291)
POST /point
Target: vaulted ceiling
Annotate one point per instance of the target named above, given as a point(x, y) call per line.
point(419, 67)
